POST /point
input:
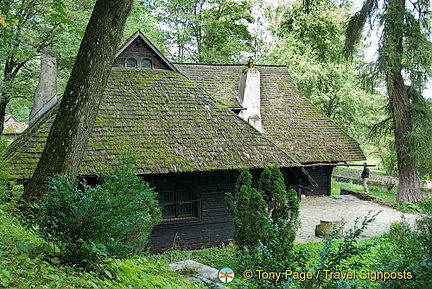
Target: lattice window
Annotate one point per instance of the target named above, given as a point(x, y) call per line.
point(178, 202)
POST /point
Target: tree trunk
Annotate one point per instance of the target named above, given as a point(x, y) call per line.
point(68, 138)
point(3, 105)
point(409, 189)
point(409, 182)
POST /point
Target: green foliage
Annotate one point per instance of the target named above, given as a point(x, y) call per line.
point(249, 209)
point(408, 249)
point(348, 254)
point(27, 261)
point(216, 257)
point(210, 31)
point(142, 18)
point(404, 65)
point(338, 253)
point(282, 208)
point(281, 205)
point(142, 273)
point(265, 223)
point(310, 46)
point(268, 215)
point(90, 224)
point(29, 28)
point(421, 137)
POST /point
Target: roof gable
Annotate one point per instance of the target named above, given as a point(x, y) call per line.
point(11, 119)
point(139, 48)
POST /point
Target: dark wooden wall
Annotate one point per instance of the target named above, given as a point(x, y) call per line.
point(140, 50)
point(321, 175)
point(214, 225)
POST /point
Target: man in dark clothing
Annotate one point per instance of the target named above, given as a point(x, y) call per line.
point(365, 176)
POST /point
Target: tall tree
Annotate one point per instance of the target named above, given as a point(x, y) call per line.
point(74, 121)
point(404, 63)
point(27, 27)
point(211, 31)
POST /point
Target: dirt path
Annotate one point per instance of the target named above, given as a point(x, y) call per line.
point(314, 209)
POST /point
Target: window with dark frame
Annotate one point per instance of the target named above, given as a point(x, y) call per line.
point(178, 202)
point(131, 63)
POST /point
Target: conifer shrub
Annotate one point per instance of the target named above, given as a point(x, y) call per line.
point(249, 209)
point(267, 215)
point(283, 207)
point(87, 224)
point(265, 222)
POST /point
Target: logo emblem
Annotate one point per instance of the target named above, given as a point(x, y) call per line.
point(226, 275)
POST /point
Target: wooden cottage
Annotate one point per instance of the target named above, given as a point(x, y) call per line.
point(188, 145)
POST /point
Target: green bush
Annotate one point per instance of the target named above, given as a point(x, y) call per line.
point(249, 210)
point(87, 224)
point(407, 249)
point(27, 261)
point(265, 223)
point(283, 208)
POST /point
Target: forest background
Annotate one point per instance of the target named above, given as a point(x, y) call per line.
point(309, 42)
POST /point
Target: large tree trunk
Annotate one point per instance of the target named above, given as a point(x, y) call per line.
point(409, 182)
point(68, 138)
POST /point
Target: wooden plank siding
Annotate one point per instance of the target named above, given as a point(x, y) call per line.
point(322, 176)
point(214, 224)
point(139, 50)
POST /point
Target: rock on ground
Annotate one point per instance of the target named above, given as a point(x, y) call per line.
point(316, 208)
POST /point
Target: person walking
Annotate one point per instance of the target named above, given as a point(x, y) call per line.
point(365, 177)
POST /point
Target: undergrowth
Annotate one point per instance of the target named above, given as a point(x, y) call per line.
point(27, 261)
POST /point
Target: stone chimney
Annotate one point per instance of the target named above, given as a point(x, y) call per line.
point(250, 96)
point(46, 92)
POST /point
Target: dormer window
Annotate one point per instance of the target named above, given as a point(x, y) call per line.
point(131, 63)
point(146, 63)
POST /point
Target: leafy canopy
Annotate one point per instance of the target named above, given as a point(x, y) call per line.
point(209, 31)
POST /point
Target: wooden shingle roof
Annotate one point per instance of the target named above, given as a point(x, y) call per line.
point(288, 119)
point(166, 121)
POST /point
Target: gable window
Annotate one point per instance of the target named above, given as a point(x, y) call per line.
point(178, 202)
point(131, 63)
point(146, 63)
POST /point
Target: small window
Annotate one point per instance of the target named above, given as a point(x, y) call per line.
point(178, 202)
point(146, 63)
point(131, 62)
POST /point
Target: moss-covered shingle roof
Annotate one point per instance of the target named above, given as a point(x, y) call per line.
point(288, 119)
point(165, 120)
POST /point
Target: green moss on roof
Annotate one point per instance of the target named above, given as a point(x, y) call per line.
point(288, 119)
point(167, 121)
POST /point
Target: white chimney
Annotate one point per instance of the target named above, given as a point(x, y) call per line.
point(46, 92)
point(250, 96)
